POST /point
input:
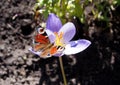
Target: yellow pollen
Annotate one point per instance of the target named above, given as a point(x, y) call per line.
point(59, 39)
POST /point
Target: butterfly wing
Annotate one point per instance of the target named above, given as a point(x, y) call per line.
point(38, 46)
point(42, 44)
point(41, 36)
point(46, 51)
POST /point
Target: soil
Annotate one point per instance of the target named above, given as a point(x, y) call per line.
point(99, 64)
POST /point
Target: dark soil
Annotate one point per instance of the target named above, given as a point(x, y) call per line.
point(99, 64)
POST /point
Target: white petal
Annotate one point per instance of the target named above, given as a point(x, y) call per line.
point(76, 46)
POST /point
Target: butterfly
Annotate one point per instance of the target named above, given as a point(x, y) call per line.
point(42, 44)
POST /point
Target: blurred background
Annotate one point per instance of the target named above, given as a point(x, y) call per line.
point(95, 20)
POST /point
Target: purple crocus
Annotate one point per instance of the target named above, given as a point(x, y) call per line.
point(62, 35)
point(71, 47)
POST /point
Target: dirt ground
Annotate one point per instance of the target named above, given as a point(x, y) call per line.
point(99, 64)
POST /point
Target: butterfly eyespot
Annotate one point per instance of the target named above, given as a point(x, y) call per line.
point(60, 48)
point(48, 55)
point(46, 36)
point(41, 30)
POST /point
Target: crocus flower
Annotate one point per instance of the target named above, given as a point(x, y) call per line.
point(62, 35)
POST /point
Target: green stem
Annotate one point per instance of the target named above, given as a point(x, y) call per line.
point(62, 70)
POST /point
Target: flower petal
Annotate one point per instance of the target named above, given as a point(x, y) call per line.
point(51, 35)
point(76, 46)
point(68, 31)
point(58, 55)
point(37, 52)
point(53, 23)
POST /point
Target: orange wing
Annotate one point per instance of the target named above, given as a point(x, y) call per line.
point(43, 44)
point(48, 50)
point(41, 39)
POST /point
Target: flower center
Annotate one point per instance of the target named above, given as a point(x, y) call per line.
point(59, 39)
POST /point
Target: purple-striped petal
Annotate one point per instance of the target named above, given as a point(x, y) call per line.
point(51, 35)
point(68, 31)
point(76, 46)
point(58, 55)
point(53, 23)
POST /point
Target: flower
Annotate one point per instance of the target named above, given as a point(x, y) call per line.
point(61, 37)
point(71, 47)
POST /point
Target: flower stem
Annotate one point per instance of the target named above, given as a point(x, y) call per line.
point(62, 70)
